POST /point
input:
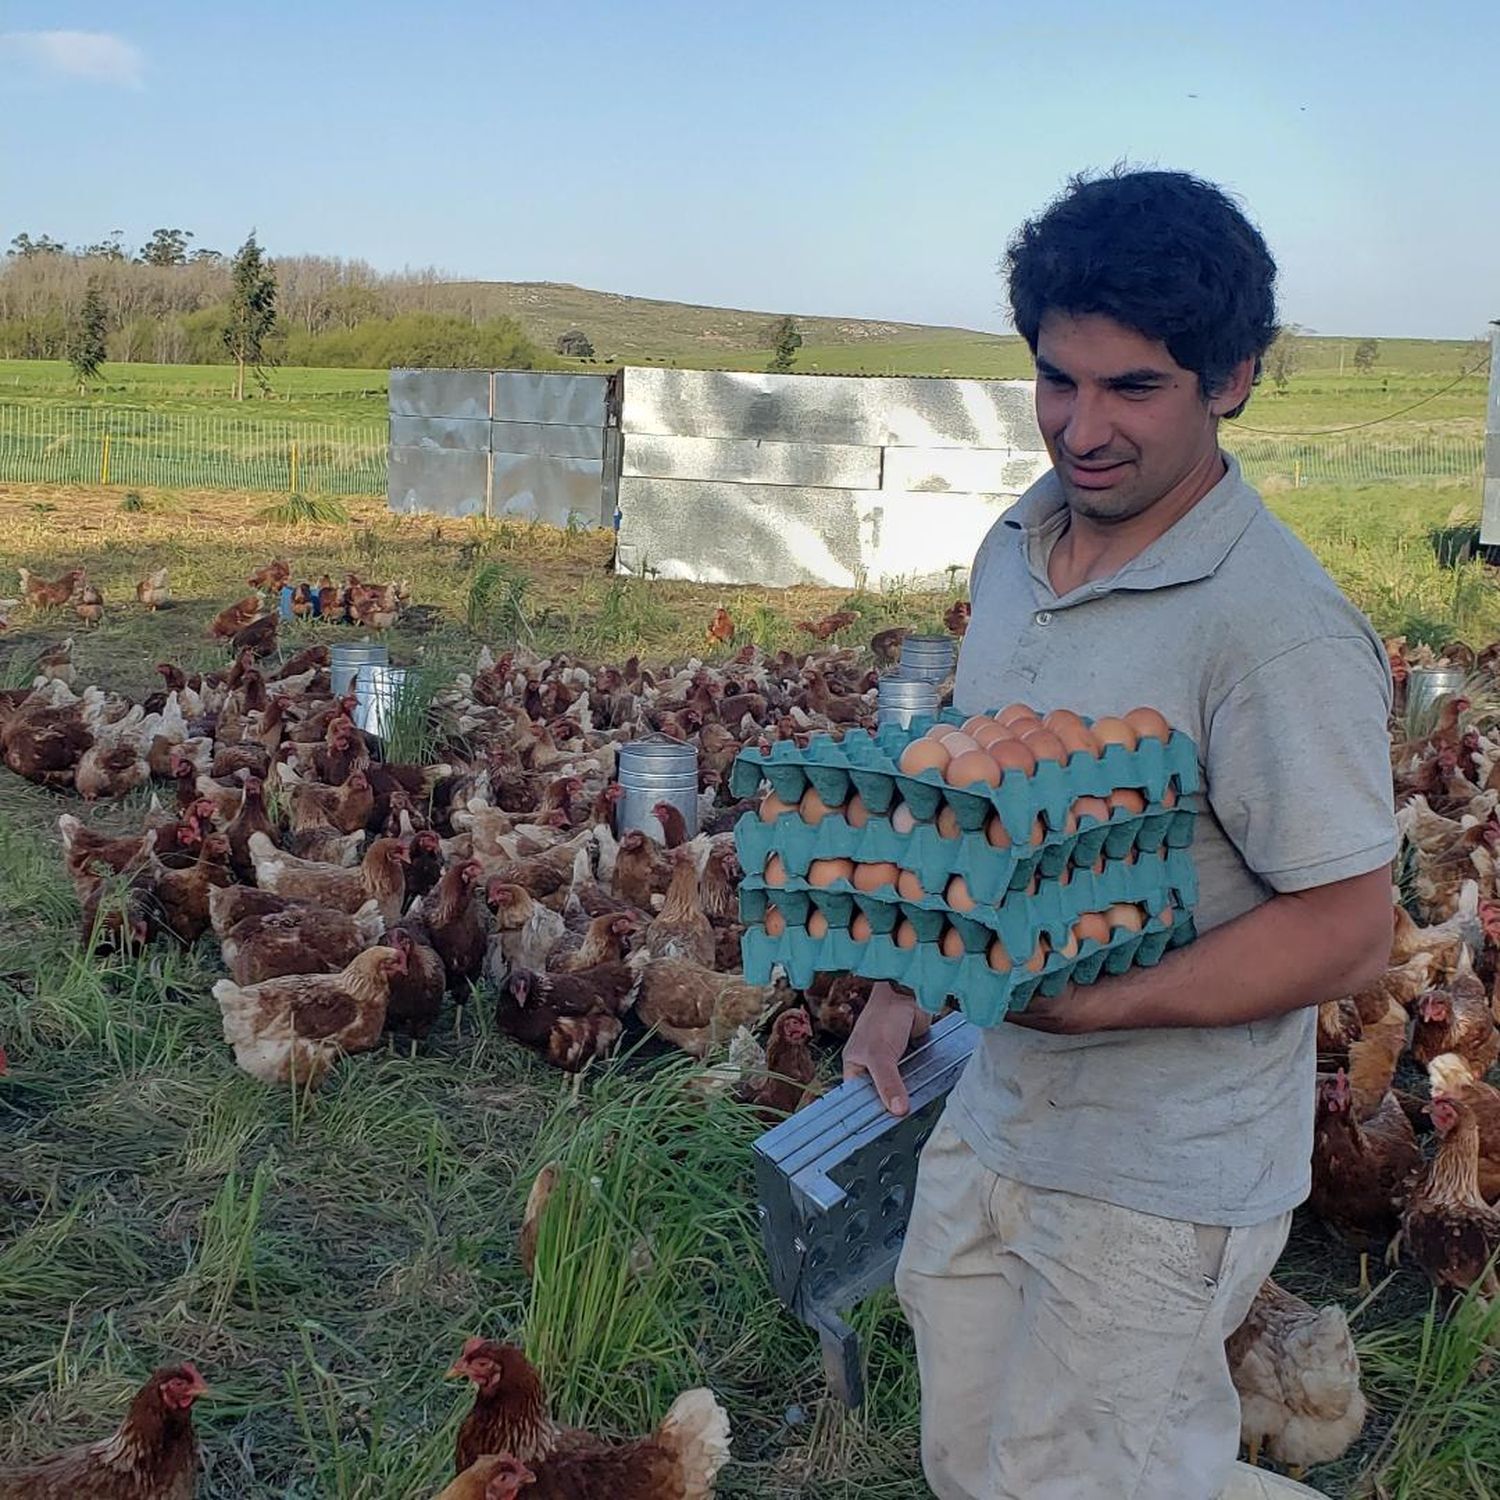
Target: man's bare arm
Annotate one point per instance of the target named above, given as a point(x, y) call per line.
point(1294, 950)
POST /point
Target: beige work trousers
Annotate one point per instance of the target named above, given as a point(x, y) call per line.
point(1070, 1349)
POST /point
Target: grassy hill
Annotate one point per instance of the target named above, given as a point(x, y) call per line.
point(627, 329)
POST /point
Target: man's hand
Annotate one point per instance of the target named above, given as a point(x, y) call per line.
point(879, 1041)
point(1066, 1013)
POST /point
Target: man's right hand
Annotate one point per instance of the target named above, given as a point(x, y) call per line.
point(877, 1044)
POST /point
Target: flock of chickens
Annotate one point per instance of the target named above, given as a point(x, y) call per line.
point(352, 897)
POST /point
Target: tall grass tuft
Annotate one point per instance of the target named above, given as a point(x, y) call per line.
point(652, 1213)
point(1441, 1378)
point(414, 730)
point(306, 510)
point(495, 600)
point(134, 503)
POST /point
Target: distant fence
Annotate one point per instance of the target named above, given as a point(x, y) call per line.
point(42, 444)
point(189, 450)
point(1358, 458)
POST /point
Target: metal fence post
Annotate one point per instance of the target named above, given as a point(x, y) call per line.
point(294, 469)
point(104, 461)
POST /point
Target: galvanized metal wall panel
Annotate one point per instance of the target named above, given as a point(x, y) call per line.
point(549, 396)
point(544, 488)
point(751, 461)
point(775, 535)
point(966, 470)
point(924, 538)
point(444, 482)
point(1489, 523)
point(440, 393)
point(439, 432)
point(829, 409)
point(555, 441)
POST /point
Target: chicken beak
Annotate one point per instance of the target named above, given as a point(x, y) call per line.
point(199, 1386)
point(459, 1370)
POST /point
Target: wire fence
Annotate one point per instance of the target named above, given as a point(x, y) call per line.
point(193, 450)
point(189, 450)
point(1295, 462)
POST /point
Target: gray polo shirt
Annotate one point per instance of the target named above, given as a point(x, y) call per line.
point(1229, 626)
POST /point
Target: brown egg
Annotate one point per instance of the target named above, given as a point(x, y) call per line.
point(814, 809)
point(989, 733)
point(1112, 731)
point(947, 823)
point(860, 929)
point(1013, 711)
point(903, 819)
point(1165, 916)
point(1169, 795)
point(874, 874)
point(1069, 948)
point(972, 768)
point(1090, 807)
point(1045, 745)
point(775, 870)
point(957, 895)
point(1091, 928)
point(951, 945)
point(856, 814)
point(823, 872)
point(995, 834)
point(1038, 831)
point(1038, 960)
point(775, 923)
point(972, 725)
point(1128, 798)
point(1148, 724)
point(999, 959)
point(909, 887)
point(817, 924)
point(923, 755)
point(1125, 914)
point(941, 731)
point(904, 934)
point(772, 807)
point(1071, 731)
point(958, 744)
point(1013, 755)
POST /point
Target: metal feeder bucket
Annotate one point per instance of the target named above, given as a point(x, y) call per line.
point(345, 662)
point(376, 689)
point(1425, 685)
point(902, 698)
point(928, 656)
point(655, 770)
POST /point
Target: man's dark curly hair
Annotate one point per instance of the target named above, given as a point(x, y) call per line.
point(1164, 253)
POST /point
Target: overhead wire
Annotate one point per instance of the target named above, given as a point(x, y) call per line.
point(1374, 421)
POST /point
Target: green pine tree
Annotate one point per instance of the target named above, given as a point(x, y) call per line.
point(252, 313)
point(86, 342)
point(785, 340)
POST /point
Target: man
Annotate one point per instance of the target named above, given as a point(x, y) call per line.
point(1114, 1174)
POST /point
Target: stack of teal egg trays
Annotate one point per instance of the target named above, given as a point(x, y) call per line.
point(1022, 892)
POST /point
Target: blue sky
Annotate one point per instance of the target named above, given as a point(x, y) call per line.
point(858, 159)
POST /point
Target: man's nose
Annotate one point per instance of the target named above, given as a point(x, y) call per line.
point(1088, 427)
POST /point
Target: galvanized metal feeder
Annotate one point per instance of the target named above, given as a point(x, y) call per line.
point(835, 1185)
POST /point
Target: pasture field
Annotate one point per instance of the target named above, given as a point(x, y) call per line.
point(323, 1260)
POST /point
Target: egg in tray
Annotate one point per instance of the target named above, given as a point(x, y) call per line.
point(900, 856)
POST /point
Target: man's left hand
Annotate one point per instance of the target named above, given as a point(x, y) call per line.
point(1073, 1011)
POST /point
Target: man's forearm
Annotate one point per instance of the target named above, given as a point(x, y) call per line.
point(1292, 951)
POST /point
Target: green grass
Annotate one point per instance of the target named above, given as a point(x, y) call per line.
point(306, 510)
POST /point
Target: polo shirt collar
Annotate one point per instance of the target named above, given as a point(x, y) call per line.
point(1192, 549)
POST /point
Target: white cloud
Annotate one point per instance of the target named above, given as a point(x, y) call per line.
point(98, 56)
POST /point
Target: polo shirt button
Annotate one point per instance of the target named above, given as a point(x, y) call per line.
point(1043, 617)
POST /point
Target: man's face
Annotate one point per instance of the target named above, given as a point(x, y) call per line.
point(1124, 423)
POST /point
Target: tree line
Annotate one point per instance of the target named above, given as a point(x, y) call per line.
point(169, 304)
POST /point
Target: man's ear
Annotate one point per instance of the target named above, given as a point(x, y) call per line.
point(1235, 391)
